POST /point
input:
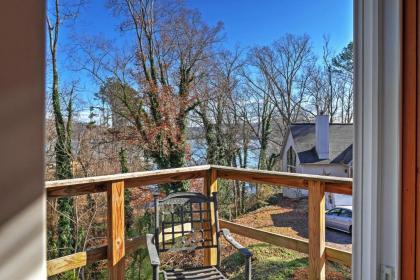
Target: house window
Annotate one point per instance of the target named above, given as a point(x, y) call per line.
point(291, 160)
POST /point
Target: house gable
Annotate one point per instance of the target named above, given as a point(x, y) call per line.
point(302, 137)
point(287, 144)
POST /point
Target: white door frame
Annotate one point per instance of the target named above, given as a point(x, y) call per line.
point(376, 191)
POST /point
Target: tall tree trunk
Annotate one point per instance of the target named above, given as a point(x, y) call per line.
point(66, 240)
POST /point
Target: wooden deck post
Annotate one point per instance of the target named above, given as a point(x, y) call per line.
point(210, 185)
point(115, 227)
point(316, 226)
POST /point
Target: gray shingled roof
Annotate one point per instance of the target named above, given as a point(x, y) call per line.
point(341, 143)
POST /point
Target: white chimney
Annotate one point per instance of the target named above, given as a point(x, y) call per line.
point(322, 137)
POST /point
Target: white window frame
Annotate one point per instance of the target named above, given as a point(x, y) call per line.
point(376, 191)
point(289, 166)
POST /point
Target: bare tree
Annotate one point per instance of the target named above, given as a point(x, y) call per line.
point(215, 108)
point(259, 110)
point(317, 94)
point(173, 46)
point(63, 128)
point(330, 89)
point(332, 85)
point(57, 14)
point(343, 67)
point(286, 64)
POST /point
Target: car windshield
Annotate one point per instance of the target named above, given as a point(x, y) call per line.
point(346, 213)
point(334, 211)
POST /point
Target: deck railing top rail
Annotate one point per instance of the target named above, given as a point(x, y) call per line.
point(80, 186)
point(332, 184)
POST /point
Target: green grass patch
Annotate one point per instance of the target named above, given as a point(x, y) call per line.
point(274, 263)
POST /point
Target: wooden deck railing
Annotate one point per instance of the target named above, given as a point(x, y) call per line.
point(117, 246)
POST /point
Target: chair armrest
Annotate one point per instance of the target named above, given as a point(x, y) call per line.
point(154, 257)
point(244, 251)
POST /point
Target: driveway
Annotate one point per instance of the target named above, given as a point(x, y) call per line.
point(290, 217)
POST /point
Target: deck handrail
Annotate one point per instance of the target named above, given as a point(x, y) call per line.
point(333, 184)
point(85, 185)
point(117, 246)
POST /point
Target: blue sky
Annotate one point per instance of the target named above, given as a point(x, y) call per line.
point(246, 22)
point(252, 22)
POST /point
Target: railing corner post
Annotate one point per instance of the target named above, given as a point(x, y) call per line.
point(115, 228)
point(210, 186)
point(316, 226)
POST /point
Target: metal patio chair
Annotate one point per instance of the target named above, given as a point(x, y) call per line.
point(186, 226)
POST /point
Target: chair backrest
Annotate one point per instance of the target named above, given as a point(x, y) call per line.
point(183, 222)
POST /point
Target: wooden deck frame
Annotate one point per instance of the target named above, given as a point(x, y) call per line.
point(100, 253)
point(210, 186)
point(117, 246)
point(316, 229)
point(93, 255)
point(410, 216)
point(299, 245)
point(116, 231)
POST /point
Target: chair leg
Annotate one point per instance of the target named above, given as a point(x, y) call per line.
point(155, 272)
point(248, 269)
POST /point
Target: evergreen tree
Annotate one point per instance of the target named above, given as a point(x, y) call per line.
point(343, 62)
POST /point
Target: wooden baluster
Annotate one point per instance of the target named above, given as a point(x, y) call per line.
point(115, 227)
point(316, 226)
point(210, 185)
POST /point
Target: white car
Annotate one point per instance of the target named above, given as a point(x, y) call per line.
point(340, 218)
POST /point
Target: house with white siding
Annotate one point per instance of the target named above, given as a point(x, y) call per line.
point(319, 148)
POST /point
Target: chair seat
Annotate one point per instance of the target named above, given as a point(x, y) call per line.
point(203, 273)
